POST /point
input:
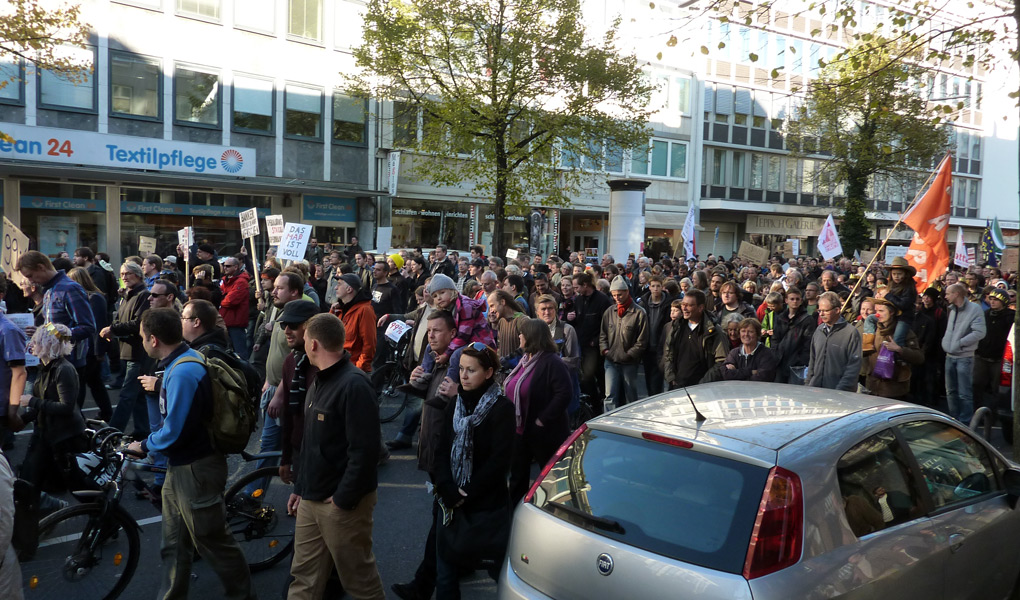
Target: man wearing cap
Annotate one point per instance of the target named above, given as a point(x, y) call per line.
point(964, 331)
point(623, 339)
point(441, 264)
point(206, 255)
point(988, 356)
point(354, 308)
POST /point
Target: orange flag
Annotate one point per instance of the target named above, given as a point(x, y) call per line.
point(929, 218)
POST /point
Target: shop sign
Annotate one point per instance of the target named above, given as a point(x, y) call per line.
point(492, 216)
point(44, 203)
point(328, 208)
point(73, 147)
point(784, 225)
point(472, 228)
point(424, 212)
point(184, 210)
point(393, 167)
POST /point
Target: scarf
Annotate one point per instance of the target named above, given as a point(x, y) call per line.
point(521, 372)
point(299, 384)
point(622, 307)
point(463, 450)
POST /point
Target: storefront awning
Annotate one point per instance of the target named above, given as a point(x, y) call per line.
point(668, 220)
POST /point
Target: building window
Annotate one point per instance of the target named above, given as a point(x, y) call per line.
point(775, 170)
point(135, 85)
point(757, 171)
point(718, 167)
point(12, 86)
point(807, 180)
point(58, 91)
point(253, 104)
point(791, 183)
point(207, 9)
point(737, 169)
point(614, 158)
point(196, 96)
point(305, 19)
point(303, 112)
point(668, 159)
point(258, 15)
point(683, 95)
point(349, 119)
point(758, 122)
point(347, 24)
point(405, 125)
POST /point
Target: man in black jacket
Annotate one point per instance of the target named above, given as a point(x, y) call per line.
point(586, 318)
point(988, 356)
point(126, 329)
point(335, 491)
point(442, 264)
point(792, 335)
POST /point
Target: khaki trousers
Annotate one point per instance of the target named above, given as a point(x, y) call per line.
point(325, 533)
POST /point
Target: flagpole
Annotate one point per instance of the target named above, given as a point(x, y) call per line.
point(891, 230)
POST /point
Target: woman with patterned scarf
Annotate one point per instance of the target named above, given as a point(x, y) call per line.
point(472, 462)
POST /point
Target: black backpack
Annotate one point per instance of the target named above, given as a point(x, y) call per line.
point(251, 376)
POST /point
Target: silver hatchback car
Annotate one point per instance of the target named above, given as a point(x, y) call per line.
point(781, 492)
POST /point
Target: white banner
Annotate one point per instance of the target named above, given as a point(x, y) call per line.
point(249, 223)
point(689, 234)
point(511, 253)
point(274, 226)
point(394, 170)
point(828, 240)
point(186, 237)
point(294, 242)
point(73, 147)
point(960, 257)
point(796, 245)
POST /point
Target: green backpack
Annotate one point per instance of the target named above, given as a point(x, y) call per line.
point(234, 414)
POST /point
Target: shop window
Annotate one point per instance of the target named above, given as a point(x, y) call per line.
point(207, 9)
point(807, 180)
point(135, 85)
point(349, 119)
point(303, 112)
point(305, 19)
point(347, 23)
point(253, 104)
point(60, 217)
point(12, 80)
point(59, 91)
point(196, 96)
point(257, 15)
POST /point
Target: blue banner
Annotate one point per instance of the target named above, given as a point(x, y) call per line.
point(186, 210)
point(45, 203)
point(328, 208)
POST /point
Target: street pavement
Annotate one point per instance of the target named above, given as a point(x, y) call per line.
point(401, 524)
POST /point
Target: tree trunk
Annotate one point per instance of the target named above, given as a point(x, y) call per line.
point(855, 230)
point(499, 206)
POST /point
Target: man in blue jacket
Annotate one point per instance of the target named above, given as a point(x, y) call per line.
point(193, 510)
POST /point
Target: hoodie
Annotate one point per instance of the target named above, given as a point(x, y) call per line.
point(236, 296)
point(359, 326)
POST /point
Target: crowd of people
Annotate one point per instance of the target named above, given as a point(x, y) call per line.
point(502, 353)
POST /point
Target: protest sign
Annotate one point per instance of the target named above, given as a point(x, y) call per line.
point(383, 239)
point(511, 253)
point(795, 242)
point(867, 256)
point(1009, 258)
point(23, 321)
point(249, 223)
point(146, 245)
point(828, 240)
point(756, 254)
point(396, 330)
point(294, 242)
point(186, 237)
point(15, 244)
point(274, 226)
point(892, 252)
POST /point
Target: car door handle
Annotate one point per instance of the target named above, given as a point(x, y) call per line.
point(955, 542)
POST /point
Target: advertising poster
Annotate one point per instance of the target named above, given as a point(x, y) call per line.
point(58, 234)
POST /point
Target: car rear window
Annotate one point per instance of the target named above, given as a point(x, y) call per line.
point(673, 501)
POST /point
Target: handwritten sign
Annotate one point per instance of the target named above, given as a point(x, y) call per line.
point(186, 237)
point(756, 254)
point(274, 226)
point(146, 245)
point(24, 321)
point(396, 330)
point(15, 244)
point(294, 242)
point(249, 223)
point(892, 252)
point(511, 253)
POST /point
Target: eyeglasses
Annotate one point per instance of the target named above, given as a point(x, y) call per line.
point(184, 318)
point(478, 346)
point(293, 326)
point(157, 295)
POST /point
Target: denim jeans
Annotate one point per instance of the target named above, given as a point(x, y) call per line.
point(239, 340)
point(269, 441)
point(132, 400)
point(959, 387)
point(621, 383)
point(412, 419)
point(155, 424)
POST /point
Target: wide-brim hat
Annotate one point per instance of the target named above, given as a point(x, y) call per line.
point(901, 263)
point(884, 302)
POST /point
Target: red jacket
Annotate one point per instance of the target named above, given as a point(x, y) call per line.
point(359, 325)
point(234, 306)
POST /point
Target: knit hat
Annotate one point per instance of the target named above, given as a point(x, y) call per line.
point(352, 280)
point(619, 285)
point(933, 293)
point(999, 295)
point(397, 260)
point(440, 282)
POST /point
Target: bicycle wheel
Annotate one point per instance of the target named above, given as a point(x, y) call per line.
point(391, 400)
point(82, 555)
point(583, 413)
point(259, 520)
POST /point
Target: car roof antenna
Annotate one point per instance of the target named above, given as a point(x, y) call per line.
point(697, 413)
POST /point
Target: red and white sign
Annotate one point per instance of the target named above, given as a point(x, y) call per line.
point(828, 240)
point(960, 257)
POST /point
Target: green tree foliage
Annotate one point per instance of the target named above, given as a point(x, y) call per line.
point(871, 121)
point(508, 92)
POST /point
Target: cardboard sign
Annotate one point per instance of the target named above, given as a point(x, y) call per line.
point(294, 242)
point(1008, 259)
point(249, 223)
point(783, 248)
point(756, 254)
point(892, 252)
point(867, 256)
point(146, 245)
point(274, 227)
point(396, 330)
point(15, 244)
point(186, 237)
point(511, 253)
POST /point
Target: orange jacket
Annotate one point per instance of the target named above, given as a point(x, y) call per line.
point(359, 330)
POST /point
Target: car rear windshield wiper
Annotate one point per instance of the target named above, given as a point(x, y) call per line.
point(600, 522)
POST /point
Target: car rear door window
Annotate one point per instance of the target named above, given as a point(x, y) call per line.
point(875, 483)
point(678, 502)
point(956, 467)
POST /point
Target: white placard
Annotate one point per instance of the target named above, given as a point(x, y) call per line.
point(394, 171)
point(23, 320)
point(383, 239)
point(828, 240)
point(274, 226)
point(796, 245)
point(146, 245)
point(892, 252)
point(511, 253)
point(396, 330)
point(15, 244)
point(294, 242)
point(249, 223)
point(186, 237)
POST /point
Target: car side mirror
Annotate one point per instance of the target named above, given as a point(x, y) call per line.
point(1012, 480)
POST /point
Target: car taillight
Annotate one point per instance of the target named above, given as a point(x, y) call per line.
point(555, 459)
point(665, 439)
point(778, 529)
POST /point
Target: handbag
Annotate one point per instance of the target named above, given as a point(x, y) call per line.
point(473, 536)
point(885, 364)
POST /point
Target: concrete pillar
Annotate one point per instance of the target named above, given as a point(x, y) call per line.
point(626, 217)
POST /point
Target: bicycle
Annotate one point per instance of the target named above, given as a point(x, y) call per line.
point(391, 375)
point(587, 409)
point(90, 550)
